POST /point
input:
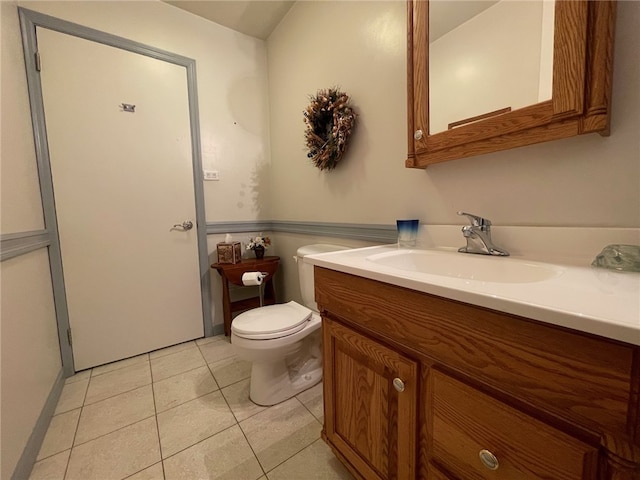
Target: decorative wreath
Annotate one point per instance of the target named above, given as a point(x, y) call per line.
point(330, 121)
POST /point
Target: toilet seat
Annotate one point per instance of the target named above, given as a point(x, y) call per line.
point(273, 321)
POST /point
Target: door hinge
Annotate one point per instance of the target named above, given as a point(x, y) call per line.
point(69, 337)
point(38, 64)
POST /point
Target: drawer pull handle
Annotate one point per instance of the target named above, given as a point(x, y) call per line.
point(489, 460)
point(398, 384)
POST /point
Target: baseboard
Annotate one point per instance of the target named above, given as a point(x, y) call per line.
point(32, 448)
point(218, 329)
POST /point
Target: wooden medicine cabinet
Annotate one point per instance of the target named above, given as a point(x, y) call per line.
point(569, 94)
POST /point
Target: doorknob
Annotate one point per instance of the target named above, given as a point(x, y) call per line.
point(186, 225)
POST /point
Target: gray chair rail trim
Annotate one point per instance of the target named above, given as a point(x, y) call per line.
point(15, 244)
point(216, 228)
point(30, 453)
point(357, 231)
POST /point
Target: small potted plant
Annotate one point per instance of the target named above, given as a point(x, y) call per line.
point(259, 244)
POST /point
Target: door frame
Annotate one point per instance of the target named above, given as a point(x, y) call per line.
point(29, 20)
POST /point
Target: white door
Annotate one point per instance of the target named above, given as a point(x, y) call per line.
point(121, 181)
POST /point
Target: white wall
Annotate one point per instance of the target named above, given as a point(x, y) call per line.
point(546, 50)
point(30, 351)
point(582, 181)
point(19, 187)
point(488, 63)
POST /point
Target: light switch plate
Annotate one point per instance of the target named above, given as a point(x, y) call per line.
point(211, 175)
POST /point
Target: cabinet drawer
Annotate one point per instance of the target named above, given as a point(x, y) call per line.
point(434, 473)
point(466, 422)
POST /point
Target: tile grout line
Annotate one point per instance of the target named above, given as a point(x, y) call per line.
point(135, 473)
point(75, 433)
point(187, 401)
point(164, 355)
point(125, 391)
point(94, 375)
point(83, 405)
point(217, 384)
point(227, 401)
point(303, 448)
point(171, 346)
point(180, 373)
point(303, 404)
point(151, 382)
point(308, 409)
point(264, 473)
point(113, 431)
point(247, 440)
point(162, 459)
point(120, 393)
point(174, 375)
point(199, 441)
point(155, 409)
point(297, 453)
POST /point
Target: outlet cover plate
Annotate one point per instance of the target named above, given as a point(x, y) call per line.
point(211, 175)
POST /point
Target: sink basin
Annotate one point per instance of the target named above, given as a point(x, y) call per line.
point(466, 266)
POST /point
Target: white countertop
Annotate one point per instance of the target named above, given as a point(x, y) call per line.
point(593, 300)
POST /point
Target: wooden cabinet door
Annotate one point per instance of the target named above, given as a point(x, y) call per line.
point(370, 395)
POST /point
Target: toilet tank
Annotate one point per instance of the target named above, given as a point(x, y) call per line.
point(305, 270)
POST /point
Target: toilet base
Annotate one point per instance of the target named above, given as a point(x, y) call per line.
point(272, 383)
point(280, 389)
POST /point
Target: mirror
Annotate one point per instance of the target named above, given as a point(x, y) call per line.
point(487, 57)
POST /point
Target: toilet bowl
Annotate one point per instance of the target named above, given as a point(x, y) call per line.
point(282, 342)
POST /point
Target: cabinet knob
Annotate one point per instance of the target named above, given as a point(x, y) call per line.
point(417, 134)
point(398, 384)
point(489, 460)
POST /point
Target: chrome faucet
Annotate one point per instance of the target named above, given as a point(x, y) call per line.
point(478, 236)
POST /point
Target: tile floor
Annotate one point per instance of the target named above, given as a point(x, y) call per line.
point(182, 413)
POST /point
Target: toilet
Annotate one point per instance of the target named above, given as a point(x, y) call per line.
point(282, 341)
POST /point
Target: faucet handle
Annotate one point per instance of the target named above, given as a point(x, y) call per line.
point(475, 220)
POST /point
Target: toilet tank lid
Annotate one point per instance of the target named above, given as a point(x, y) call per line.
point(319, 248)
point(271, 319)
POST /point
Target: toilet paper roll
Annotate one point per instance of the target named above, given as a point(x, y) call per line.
point(252, 278)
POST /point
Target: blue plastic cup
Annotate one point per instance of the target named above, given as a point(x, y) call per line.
point(407, 232)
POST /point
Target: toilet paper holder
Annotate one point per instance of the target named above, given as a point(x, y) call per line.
point(255, 278)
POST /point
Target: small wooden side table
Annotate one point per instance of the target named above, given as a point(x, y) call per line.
point(232, 273)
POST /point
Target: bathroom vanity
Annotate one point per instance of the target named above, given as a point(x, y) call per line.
point(437, 377)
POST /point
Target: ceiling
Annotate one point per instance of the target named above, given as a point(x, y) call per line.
point(255, 18)
point(259, 18)
point(445, 15)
